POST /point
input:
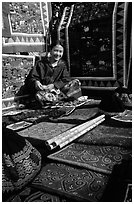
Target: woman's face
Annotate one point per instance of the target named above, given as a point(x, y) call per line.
point(57, 52)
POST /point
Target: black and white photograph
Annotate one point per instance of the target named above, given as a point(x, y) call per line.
point(66, 101)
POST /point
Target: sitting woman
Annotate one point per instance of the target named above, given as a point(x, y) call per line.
point(49, 79)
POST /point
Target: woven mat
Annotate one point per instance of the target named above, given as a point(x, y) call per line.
point(31, 194)
point(106, 135)
point(81, 114)
point(48, 130)
point(45, 130)
point(79, 184)
point(97, 158)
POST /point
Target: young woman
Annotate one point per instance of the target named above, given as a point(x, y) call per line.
point(50, 77)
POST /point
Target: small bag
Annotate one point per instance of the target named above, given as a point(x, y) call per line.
point(117, 101)
point(73, 89)
point(125, 96)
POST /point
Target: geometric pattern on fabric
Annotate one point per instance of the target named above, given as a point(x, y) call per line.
point(15, 171)
point(106, 135)
point(31, 194)
point(119, 21)
point(62, 31)
point(119, 40)
point(14, 70)
point(97, 158)
point(27, 35)
point(77, 183)
point(45, 130)
point(62, 25)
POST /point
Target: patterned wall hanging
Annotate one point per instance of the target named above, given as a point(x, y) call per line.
point(120, 21)
point(15, 68)
point(62, 31)
point(28, 22)
point(98, 45)
point(5, 22)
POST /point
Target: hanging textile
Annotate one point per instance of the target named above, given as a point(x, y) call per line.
point(28, 24)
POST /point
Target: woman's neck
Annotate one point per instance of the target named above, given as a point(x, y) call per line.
point(53, 62)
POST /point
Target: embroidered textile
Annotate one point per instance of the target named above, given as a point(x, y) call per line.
point(97, 158)
point(108, 135)
point(32, 194)
point(20, 161)
point(77, 183)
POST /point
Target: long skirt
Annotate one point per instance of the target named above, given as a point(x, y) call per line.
point(20, 161)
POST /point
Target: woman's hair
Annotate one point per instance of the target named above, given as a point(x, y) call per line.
point(57, 42)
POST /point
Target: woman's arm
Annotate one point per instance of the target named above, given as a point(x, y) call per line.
point(34, 80)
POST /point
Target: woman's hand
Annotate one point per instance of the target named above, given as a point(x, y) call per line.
point(50, 86)
point(39, 86)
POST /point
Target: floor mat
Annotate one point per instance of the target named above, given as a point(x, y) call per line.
point(67, 137)
point(45, 130)
point(79, 115)
point(97, 158)
point(31, 194)
point(106, 135)
point(79, 184)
